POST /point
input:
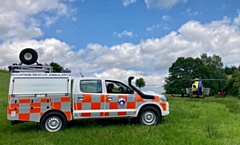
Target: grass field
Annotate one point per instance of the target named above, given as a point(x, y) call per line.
point(192, 121)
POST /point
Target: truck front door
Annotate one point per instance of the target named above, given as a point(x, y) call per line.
point(120, 99)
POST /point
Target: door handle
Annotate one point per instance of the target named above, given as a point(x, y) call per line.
point(110, 98)
point(80, 98)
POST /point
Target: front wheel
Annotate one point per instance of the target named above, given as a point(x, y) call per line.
point(149, 116)
point(53, 122)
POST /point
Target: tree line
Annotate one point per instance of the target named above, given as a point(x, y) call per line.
point(209, 68)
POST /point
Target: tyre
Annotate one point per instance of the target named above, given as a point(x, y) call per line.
point(149, 116)
point(28, 56)
point(53, 122)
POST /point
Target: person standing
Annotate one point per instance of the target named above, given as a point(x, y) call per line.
point(182, 93)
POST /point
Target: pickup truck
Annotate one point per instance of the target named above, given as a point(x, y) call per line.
point(53, 99)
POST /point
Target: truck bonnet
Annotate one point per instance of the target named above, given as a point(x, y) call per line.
point(161, 96)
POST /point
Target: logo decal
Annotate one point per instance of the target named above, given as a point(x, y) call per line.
point(121, 101)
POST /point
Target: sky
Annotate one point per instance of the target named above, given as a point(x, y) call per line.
point(120, 38)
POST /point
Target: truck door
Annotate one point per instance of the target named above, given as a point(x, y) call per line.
point(88, 99)
point(120, 99)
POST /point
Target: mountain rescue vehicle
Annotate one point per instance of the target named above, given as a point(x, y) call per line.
point(37, 94)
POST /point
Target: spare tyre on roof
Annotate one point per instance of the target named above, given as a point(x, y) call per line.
point(28, 56)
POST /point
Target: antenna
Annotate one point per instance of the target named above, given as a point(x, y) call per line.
point(80, 72)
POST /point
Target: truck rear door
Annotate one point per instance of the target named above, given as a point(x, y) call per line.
point(88, 98)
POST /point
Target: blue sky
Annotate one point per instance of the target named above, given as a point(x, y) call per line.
point(100, 21)
point(120, 38)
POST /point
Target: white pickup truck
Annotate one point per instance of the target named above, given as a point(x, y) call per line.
point(49, 98)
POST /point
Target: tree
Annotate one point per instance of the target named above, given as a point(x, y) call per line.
point(214, 61)
point(215, 65)
point(56, 67)
point(182, 72)
point(140, 83)
point(232, 86)
point(230, 70)
point(186, 69)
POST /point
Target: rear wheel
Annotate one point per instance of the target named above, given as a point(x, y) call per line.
point(53, 122)
point(149, 116)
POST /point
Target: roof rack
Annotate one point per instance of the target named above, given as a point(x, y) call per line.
point(15, 68)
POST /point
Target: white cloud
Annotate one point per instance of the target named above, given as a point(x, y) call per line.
point(192, 13)
point(74, 19)
point(150, 59)
point(218, 37)
point(166, 18)
point(152, 81)
point(123, 34)
point(151, 28)
point(166, 27)
point(22, 20)
point(128, 2)
point(58, 31)
point(162, 3)
point(236, 20)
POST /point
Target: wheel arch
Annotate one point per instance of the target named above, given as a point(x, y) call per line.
point(51, 111)
point(158, 107)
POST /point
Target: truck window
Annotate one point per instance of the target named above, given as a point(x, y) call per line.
point(117, 87)
point(91, 86)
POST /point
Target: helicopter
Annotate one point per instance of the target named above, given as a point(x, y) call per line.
point(197, 90)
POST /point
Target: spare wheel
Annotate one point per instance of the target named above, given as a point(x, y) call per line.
point(28, 56)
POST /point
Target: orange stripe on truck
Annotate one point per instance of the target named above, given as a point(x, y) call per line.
point(12, 106)
point(131, 105)
point(86, 114)
point(36, 105)
point(122, 113)
point(77, 106)
point(65, 99)
point(45, 100)
point(12, 109)
point(95, 106)
point(35, 110)
point(156, 99)
point(56, 105)
point(123, 96)
point(103, 98)
point(139, 98)
point(87, 98)
point(164, 105)
point(113, 105)
point(24, 100)
point(24, 116)
point(68, 115)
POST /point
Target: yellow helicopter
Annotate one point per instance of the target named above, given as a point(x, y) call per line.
point(197, 90)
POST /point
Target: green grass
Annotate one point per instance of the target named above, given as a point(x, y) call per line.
point(192, 121)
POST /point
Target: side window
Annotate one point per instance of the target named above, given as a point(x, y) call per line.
point(91, 86)
point(117, 87)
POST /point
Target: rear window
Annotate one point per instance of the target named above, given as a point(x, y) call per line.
point(91, 86)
